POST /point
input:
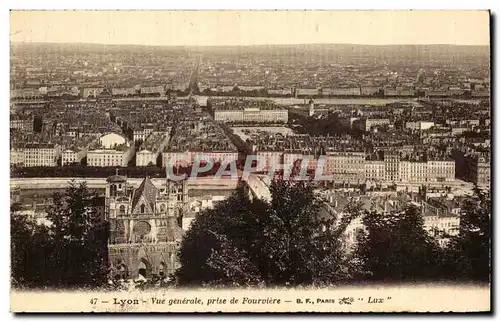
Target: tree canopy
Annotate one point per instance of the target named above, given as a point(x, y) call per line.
point(69, 252)
point(295, 240)
point(291, 240)
point(468, 255)
point(396, 247)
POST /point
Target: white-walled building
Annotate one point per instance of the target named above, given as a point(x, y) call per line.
point(440, 170)
point(78, 151)
point(41, 154)
point(110, 157)
point(251, 114)
point(188, 157)
point(375, 170)
point(151, 148)
point(143, 133)
point(419, 125)
point(113, 150)
point(111, 140)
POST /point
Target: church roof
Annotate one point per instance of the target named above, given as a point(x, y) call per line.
point(148, 190)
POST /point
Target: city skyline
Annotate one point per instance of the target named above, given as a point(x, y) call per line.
point(251, 28)
point(152, 153)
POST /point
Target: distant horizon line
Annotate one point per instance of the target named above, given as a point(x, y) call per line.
point(242, 45)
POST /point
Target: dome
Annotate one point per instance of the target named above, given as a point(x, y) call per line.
point(116, 178)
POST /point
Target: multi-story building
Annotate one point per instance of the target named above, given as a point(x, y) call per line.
point(398, 92)
point(22, 123)
point(247, 111)
point(307, 91)
point(17, 156)
point(118, 157)
point(348, 167)
point(419, 125)
point(71, 156)
point(251, 115)
point(92, 92)
point(198, 138)
point(291, 158)
point(113, 150)
point(41, 154)
point(440, 222)
point(347, 91)
point(187, 158)
point(440, 170)
point(269, 159)
point(369, 90)
point(176, 158)
point(412, 171)
point(478, 169)
point(375, 170)
point(366, 124)
point(142, 133)
point(391, 161)
point(151, 148)
point(123, 92)
point(153, 90)
point(282, 91)
point(420, 171)
point(75, 153)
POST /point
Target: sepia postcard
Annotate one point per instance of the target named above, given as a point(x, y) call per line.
point(250, 161)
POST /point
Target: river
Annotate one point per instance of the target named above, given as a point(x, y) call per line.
point(202, 100)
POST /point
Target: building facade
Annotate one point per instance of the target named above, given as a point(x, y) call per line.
point(251, 115)
point(41, 154)
point(145, 226)
point(110, 157)
point(348, 167)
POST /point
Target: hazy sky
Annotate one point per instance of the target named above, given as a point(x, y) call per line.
point(251, 27)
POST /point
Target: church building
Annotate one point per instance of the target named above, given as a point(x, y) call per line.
point(145, 226)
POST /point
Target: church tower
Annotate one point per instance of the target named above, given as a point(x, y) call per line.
point(311, 107)
point(144, 229)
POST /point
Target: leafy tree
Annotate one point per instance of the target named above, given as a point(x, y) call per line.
point(71, 251)
point(205, 246)
point(396, 247)
point(31, 249)
point(468, 255)
point(292, 240)
point(21, 232)
point(81, 237)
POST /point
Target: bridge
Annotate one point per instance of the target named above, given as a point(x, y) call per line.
point(258, 186)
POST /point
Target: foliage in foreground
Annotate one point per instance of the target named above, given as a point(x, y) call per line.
point(72, 251)
point(293, 240)
point(288, 241)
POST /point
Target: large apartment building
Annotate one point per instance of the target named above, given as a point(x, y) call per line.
point(41, 154)
point(251, 115)
point(112, 150)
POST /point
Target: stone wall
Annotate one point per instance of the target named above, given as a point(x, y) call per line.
point(152, 254)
